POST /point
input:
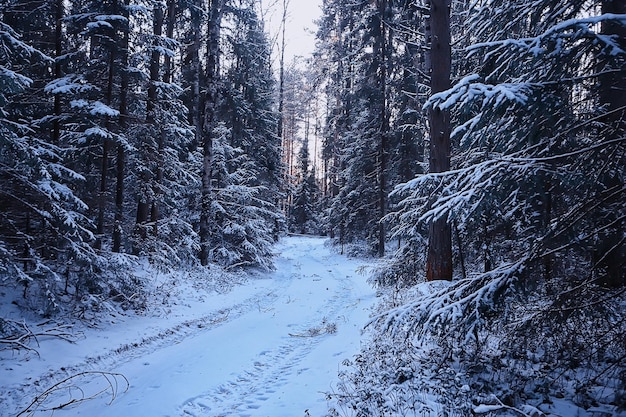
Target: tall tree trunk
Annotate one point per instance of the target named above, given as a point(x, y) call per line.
point(610, 252)
point(197, 108)
point(169, 33)
point(58, 49)
point(210, 118)
point(167, 78)
point(106, 147)
point(281, 102)
point(439, 262)
point(383, 53)
point(146, 206)
point(121, 152)
point(196, 111)
point(118, 231)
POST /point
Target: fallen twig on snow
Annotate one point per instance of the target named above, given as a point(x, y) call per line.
point(17, 334)
point(326, 328)
point(75, 394)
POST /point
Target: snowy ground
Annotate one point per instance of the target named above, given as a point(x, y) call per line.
point(270, 347)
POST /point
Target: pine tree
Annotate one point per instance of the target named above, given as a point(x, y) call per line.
point(44, 230)
point(303, 217)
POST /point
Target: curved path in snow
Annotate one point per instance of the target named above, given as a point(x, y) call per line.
point(296, 345)
point(271, 353)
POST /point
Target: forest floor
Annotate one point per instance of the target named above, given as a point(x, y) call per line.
point(272, 345)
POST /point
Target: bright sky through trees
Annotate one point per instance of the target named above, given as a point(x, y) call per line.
point(301, 26)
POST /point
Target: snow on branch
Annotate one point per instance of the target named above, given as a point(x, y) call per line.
point(571, 28)
point(435, 195)
point(446, 305)
point(70, 84)
point(18, 335)
point(469, 88)
point(524, 411)
point(9, 40)
point(19, 80)
point(95, 108)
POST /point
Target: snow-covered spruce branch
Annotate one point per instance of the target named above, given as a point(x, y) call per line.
point(18, 335)
point(468, 89)
point(586, 237)
point(10, 39)
point(460, 304)
point(577, 152)
point(578, 211)
point(461, 188)
point(76, 394)
point(578, 28)
point(435, 195)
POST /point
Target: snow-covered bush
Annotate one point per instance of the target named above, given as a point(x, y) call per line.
point(394, 377)
point(532, 354)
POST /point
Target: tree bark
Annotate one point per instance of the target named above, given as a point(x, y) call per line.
point(281, 95)
point(210, 118)
point(169, 33)
point(121, 152)
point(106, 147)
point(610, 252)
point(167, 78)
point(146, 205)
point(58, 46)
point(197, 109)
point(383, 47)
point(439, 261)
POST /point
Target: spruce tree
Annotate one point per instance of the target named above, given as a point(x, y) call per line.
point(44, 230)
point(244, 220)
point(359, 129)
point(303, 217)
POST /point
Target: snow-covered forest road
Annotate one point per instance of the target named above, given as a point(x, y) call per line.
point(270, 347)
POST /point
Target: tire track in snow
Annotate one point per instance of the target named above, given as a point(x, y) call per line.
point(177, 369)
point(272, 369)
point(132, 350)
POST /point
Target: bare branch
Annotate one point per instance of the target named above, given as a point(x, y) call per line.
point(75, 393)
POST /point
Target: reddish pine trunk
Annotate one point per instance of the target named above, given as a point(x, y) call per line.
point(439, 262)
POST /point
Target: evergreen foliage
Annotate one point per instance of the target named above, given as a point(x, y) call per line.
point(44, 229)
point(304, 217)
point(135, 130)
point(374, 132)
point(534, 199)
point(104, 109)
point(248, 170)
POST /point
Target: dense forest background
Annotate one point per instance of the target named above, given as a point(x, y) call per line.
point(135, 130)
point(476, 145)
